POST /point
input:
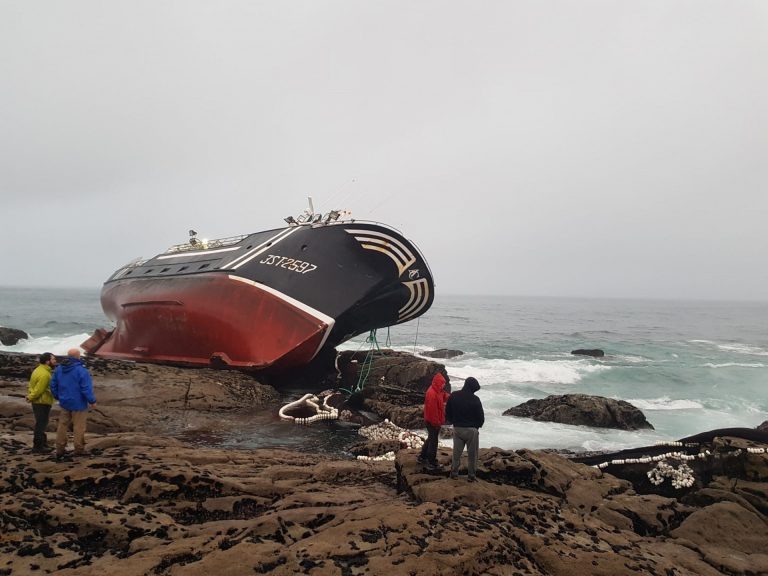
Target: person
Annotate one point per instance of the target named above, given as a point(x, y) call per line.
point(72, 386)
point(39, 395)
point(465, 411)
point(434, 418)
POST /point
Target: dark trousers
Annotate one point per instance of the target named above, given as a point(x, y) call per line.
point(429, 450)
point(41, 412)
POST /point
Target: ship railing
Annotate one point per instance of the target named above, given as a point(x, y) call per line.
point(198, 244)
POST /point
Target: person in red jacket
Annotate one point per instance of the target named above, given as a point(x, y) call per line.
point(434, 417)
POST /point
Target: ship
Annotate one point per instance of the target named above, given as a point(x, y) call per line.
point(270, 300)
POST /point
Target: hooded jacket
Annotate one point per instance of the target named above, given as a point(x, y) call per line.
point(71, 385)
point(40, 385)
point(434, 401)
point(464, 409)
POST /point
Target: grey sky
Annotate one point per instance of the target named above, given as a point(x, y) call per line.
point(592, 148)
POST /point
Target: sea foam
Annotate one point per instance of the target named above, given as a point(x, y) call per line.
point(664, 403)
point(58, 345)
point(499, 371)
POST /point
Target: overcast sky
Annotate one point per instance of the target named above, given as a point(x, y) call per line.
point(549, 148)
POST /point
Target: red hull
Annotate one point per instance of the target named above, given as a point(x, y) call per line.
point(209, 319)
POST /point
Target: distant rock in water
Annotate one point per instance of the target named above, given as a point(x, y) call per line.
point(596, 352)
point(10, 336)
point(443, 353)
point(583, 410)
point(763, 427)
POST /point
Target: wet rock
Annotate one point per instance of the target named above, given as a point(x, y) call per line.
point(11, 336)
point(143, 504)
point(133, 396)
point(443, 353)
point(392, 385)
point(595, 352)
point(583, 410)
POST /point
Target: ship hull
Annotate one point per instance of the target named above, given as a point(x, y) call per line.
point(272, 300)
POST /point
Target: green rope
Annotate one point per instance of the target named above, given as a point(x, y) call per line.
point(365, 368)
point(417, 334)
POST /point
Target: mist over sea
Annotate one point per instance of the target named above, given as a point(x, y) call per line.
point(689, 366)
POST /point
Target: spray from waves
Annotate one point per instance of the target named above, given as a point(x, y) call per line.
point(499, 371)
point(743, 349)
point(503, 371)
point(58, 345)
point(734, 364)
point(734, 347)
point(664, 403)
point(515, 433)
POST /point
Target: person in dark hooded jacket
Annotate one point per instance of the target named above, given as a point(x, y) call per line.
point(465, 411)
point(434, 418)
point(72, 386)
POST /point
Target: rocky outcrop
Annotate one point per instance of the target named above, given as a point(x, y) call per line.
point(442, 353)
point(763, 427)
point(131, 396)
point(143, 502)
point(151, 505)
point(583, 410)
point(595, 352)
point(11, 336)
point(389, 383)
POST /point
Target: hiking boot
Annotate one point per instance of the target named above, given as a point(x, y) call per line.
point(421, 460)
point(454, 475)
point(472, 479)
point(434, 467)
point(42, 450)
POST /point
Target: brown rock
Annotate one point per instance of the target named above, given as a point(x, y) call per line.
point(729, 537)
point(11, 336)
point(583, 410)
point(442, 353)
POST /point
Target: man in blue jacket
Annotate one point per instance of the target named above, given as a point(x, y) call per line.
point(465, 411)
point(72, 386)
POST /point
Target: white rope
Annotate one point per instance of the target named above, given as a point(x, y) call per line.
point(309, 401)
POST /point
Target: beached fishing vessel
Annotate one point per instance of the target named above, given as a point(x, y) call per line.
point(271, 299)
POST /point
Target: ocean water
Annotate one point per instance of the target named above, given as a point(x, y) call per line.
point(689, 366)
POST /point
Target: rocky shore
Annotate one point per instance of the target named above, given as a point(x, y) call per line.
point(143, 502)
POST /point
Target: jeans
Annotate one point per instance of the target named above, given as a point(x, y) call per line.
point(469, 437)
point(41, 412)
point(429, 450)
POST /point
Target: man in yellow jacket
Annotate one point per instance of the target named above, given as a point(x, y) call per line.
point(40, 397)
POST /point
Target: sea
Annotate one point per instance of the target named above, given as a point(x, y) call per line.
point(689, 366)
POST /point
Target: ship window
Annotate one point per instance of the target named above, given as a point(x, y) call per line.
point(129, 272)
point(203, 266)
point(303, 247)
point(164, 270)
point(183, 268)
point(147, 271)
point(247, 247)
